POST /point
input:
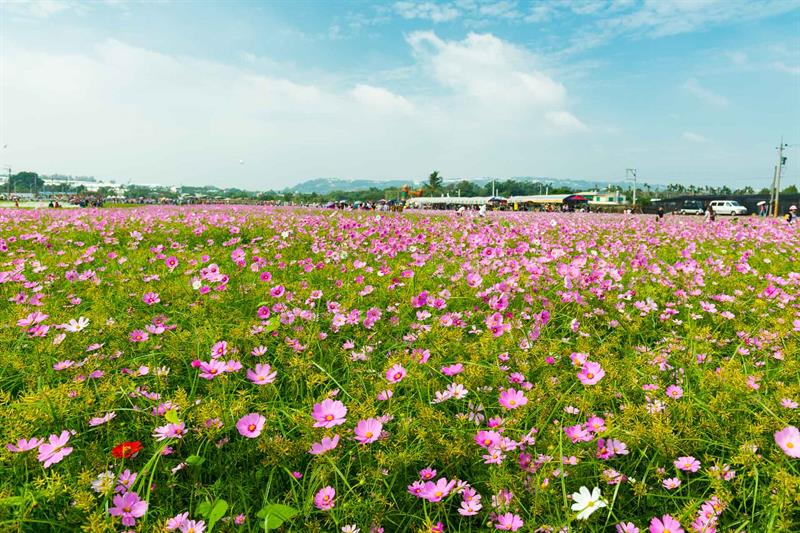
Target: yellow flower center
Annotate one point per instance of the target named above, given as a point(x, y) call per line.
point(329, 417)
point(590, 375)
point(368, 434)
point(251, 427)
point(790, 444)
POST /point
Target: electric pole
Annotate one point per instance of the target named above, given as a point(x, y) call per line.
point(781, 161)
point(629, 172)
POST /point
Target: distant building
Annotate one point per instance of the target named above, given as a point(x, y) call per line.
point(608, 198)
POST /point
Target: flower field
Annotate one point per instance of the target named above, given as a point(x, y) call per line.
point(247, 368)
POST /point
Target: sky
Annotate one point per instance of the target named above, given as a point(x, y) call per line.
point(263, 95)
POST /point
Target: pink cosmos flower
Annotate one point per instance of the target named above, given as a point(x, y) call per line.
point(687, 464)
point(395, 374)
point(212, 369)
point(436, 492)
point(671, 483)
point(24, 445)
point(177, 521)
point(129, 506)
point(511, 399)
point(368, 431)
point(674, 392)
point(151, 298)
point(251, 425)
point(326, 445)
point(452, 370)
point(170, 431)
point(324, 498)
point(789, 440)
point(193, 526)
point(665, 524)
point(102, 419)
point(487, 439)
point(591, 373)
point(627, 527)
point(329, 413)
point(138, 335)
point(55, 449)
point(171, 262)
point(508, 522)
point(262, 374)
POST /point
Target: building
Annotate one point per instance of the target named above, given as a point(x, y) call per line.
point(604, 199)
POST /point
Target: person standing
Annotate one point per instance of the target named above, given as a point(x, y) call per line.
point(791, 216)
point(660, 212)
point(710, 215)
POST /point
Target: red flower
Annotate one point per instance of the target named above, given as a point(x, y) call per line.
point(126, 449)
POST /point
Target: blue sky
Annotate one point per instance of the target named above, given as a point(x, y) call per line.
point(181, 92)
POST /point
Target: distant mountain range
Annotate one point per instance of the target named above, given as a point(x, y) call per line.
point(328, 185)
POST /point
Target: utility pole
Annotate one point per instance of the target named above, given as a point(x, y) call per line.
point(781, 161)
point(629, 172)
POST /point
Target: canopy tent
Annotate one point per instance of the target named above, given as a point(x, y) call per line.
point(539, 199)
point(453, 200)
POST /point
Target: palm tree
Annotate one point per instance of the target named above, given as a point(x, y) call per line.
point(435, 181)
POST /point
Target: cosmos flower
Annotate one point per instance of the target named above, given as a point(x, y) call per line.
point(789, 441)
point(395, 374)
point(586, 503)
point(251, 425)
point(687, 464)
point(128, 506)
point(55, 449)
point(591, 373)
point(327, 444)
point(324, 499)
point(665, 524)
point(368, 431)
point(24, 445)
point(262, 374)
point(508, 522)
point(512, 399)
point(329, 413)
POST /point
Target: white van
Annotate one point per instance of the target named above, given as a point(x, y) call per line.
point(728, 207)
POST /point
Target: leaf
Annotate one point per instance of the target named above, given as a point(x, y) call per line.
point(13, 500)
point(172, 416)
point(217, 512)
point(204, 509)
point(272, 324)
point(274, 515)
point(195, 460)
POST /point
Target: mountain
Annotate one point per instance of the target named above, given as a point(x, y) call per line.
point(327, 185)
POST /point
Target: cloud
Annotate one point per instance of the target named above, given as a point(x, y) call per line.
point(780, 66)
point(565, 121)
point(125, 112)
point(693, 137)
point(707, 96)
point(427, 11)
point(487, 69)
point(37, 8)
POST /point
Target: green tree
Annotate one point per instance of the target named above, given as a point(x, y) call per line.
point(26, 182)
point(791, 189)
point(435, 181)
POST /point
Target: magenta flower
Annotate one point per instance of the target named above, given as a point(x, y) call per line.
point(129, 506)
point(55, 449)
point(138, 335)
point(212, 369)
point(250, 425)
point(687, 464)
point(789, 440)
point(151, 298)
point(326, 445)
point(368, 431)
point(99, 420)
point(591, 373)
point(262, 374)
point(170, 431)
point(487, 439)
point(671, 483)
point(627, 527)
point(324, 498)
point(511, 399)
point(24, 445)
point(436, 492)
point(674, 392)
point(508, 522)
point(395, 374)
point(177, 521)
point(452, 370)
point(665, 524)
point(329, 413)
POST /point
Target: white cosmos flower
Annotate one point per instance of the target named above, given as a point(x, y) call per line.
point(586, 503)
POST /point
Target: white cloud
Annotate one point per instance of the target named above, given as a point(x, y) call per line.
point(707, 96)
point(693, 137)
point(124, 112)
point(37, 8)
point(565, 121)
point(487, 69)
point(788, 69)
point(380, 99)
point(427, 11)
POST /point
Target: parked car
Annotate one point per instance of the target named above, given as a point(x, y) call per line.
point(691, 208)
point(728, 207)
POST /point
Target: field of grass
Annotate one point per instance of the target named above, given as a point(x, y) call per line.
point(249, 368)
